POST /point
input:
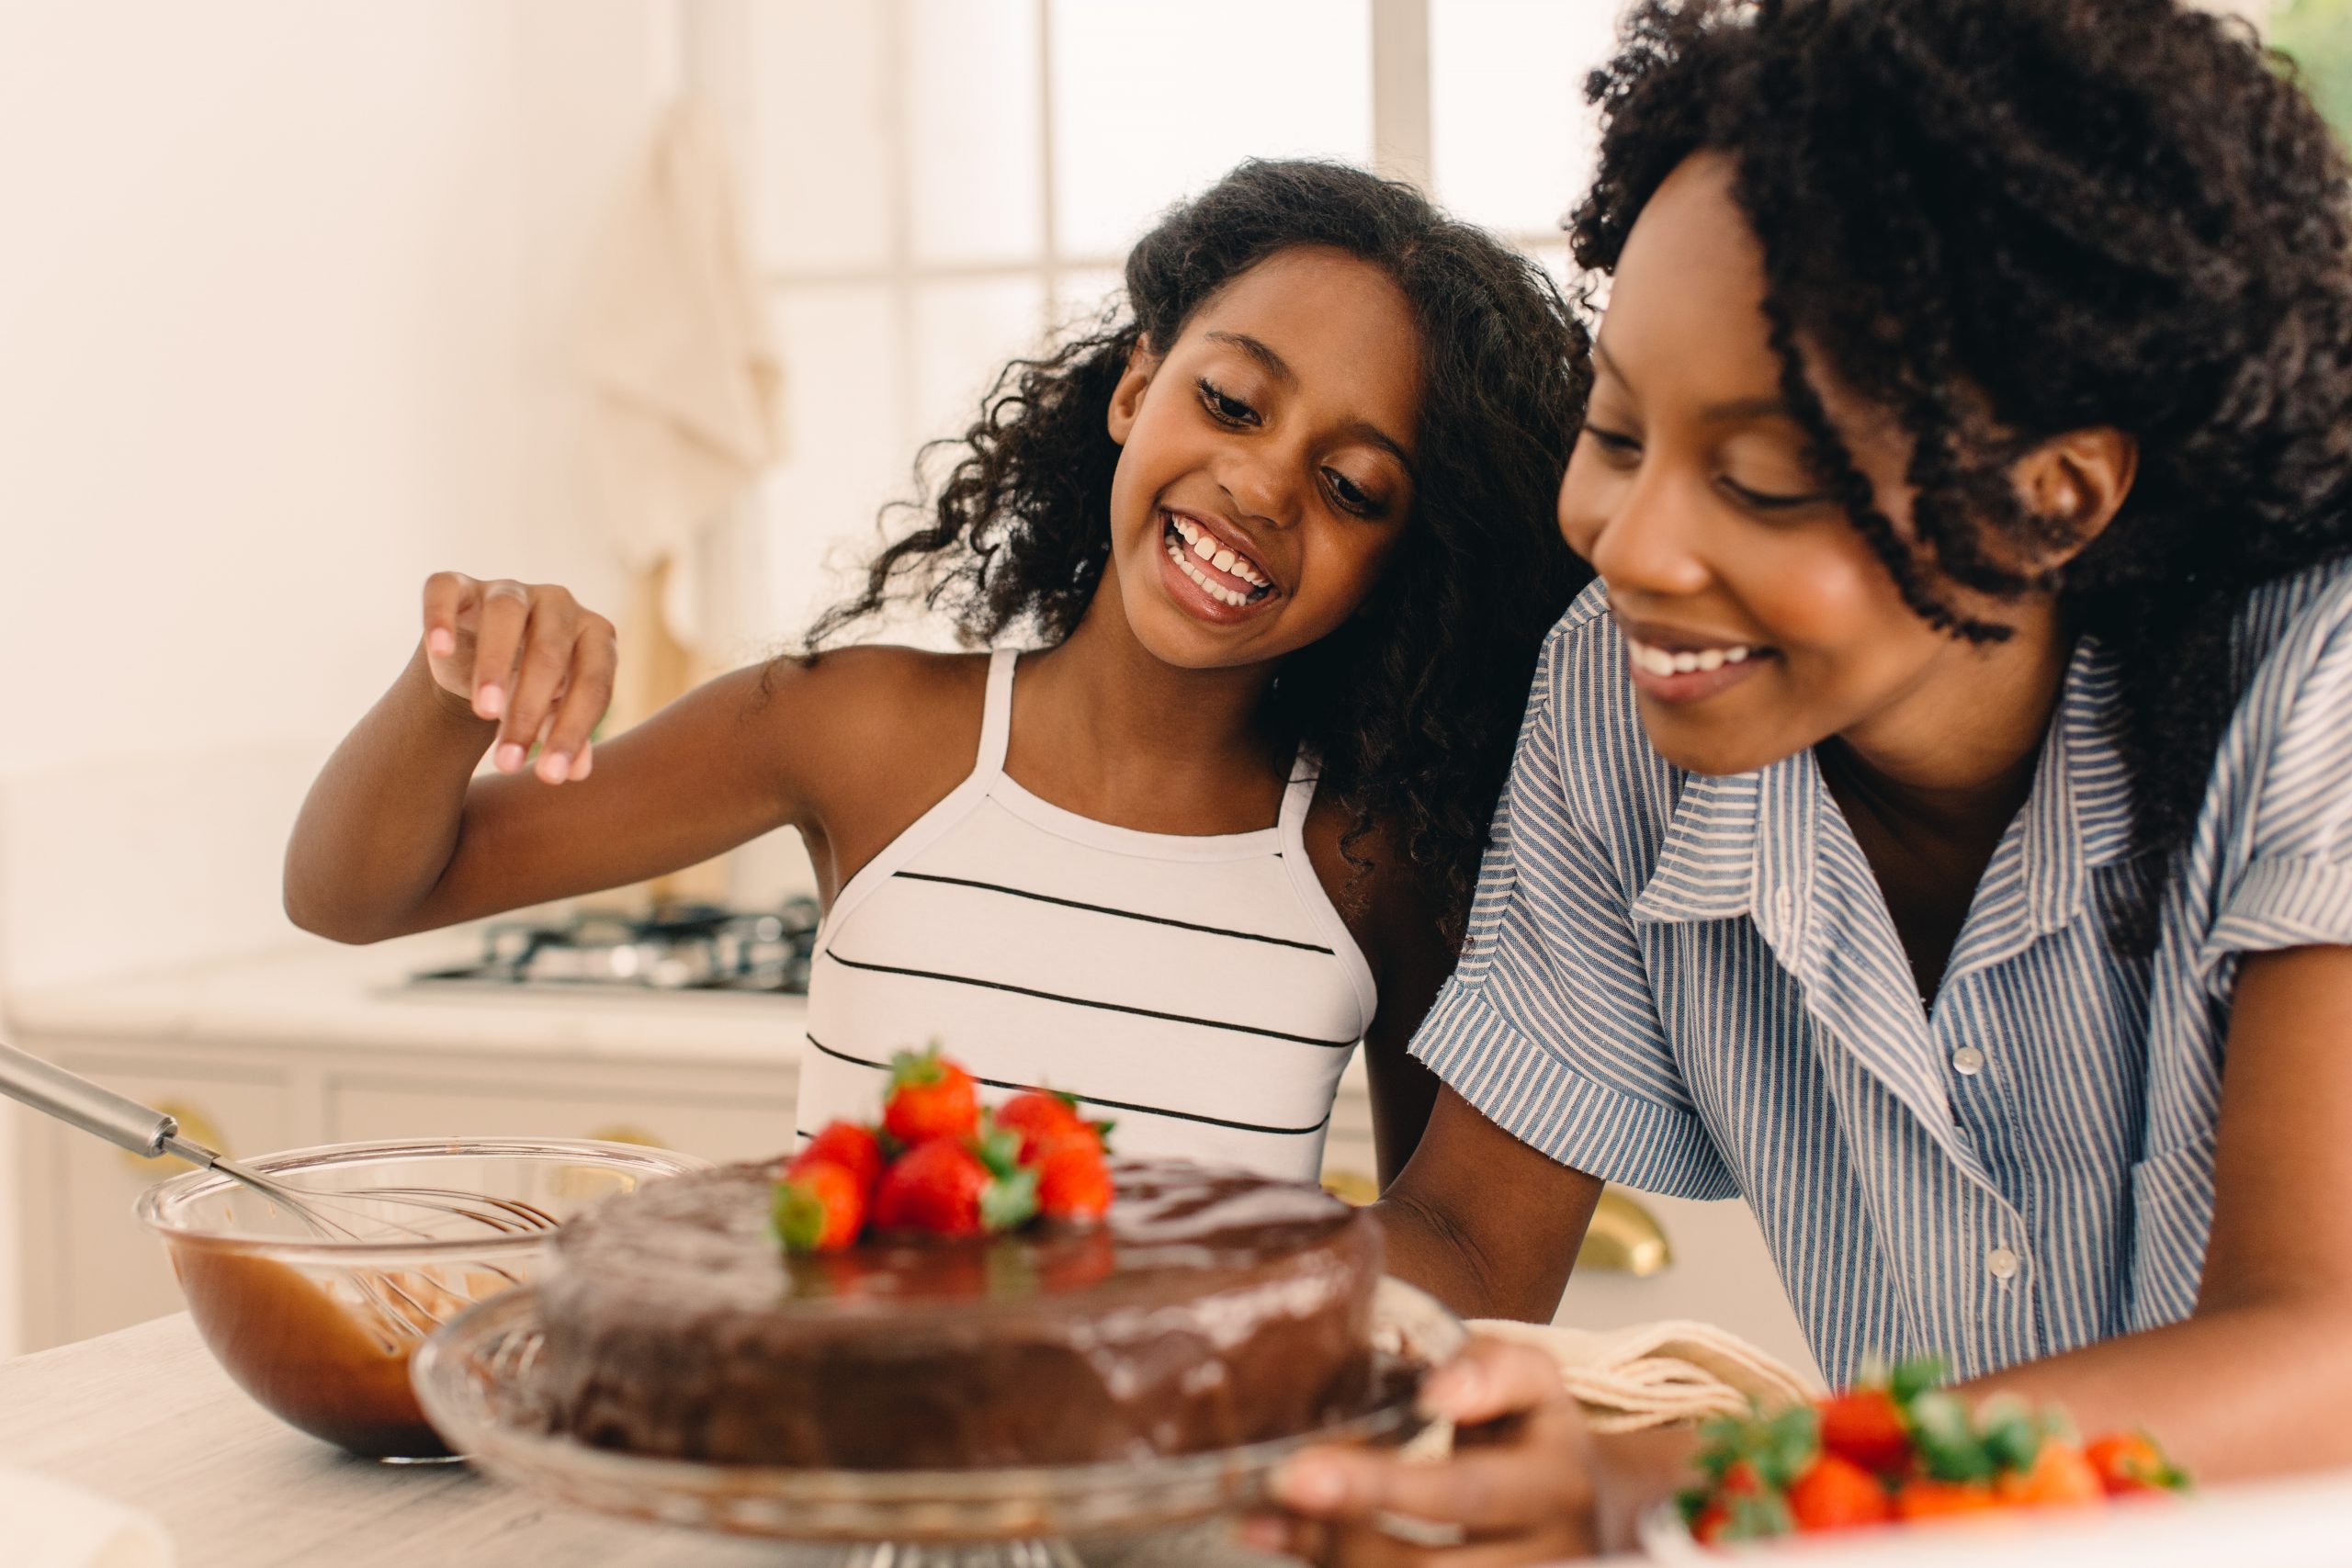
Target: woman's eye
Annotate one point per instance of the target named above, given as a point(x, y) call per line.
point(1614, 444)
point(1225, 406)
point(1768, 500)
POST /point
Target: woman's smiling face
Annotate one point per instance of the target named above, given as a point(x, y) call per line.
point(1758, 620)
point(1266, 469)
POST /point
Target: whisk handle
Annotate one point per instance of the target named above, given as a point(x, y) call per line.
point(74, 1099)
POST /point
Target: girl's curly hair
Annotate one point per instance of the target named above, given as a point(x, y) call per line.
point(2005, 219)
point(1414, 704)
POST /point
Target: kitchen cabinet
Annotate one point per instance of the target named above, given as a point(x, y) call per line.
point(327, 1045)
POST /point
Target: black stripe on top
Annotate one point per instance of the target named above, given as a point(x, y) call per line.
point(1094, 1099)
point(1106, 909)
point(1086, 1002)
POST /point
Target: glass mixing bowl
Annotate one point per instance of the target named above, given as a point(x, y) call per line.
point(317, 1327)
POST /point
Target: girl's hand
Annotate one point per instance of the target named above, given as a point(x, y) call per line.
point(529, 656)
point(1527, 1482)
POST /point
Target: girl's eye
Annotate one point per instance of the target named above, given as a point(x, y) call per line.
point(1767, 500)
point(1351, 497)
point(1622, 447)
point(1223, 406)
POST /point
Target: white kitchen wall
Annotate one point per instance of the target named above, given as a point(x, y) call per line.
point(285, 294)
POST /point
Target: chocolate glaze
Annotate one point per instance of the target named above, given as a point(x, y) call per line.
point(1211, 1308)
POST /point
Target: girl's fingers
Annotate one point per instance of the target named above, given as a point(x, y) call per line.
point(448, 595)
point(505, 614)
point(588, 693)
point(547, 643)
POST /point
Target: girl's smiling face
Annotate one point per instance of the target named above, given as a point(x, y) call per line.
point(1266, 469)
point(1756, 618)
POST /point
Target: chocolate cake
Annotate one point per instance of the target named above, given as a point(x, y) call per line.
point(1211, 1308)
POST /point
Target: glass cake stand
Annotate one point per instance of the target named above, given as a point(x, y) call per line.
point(480, 1381)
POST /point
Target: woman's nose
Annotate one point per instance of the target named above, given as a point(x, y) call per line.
point(1647, 539)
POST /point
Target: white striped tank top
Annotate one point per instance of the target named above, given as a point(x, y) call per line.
point(1200, 991)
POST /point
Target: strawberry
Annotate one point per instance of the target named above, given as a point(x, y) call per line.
point(942, 1185)
point(2129, 1465)
point(1073, 1177)
point(1038, 1114)
point(1924, 1498)
point(1837, 1494)
point(1866, 1427)
point(855, 1148)
point(929, 1098)
point(819, 1206)
point(2059, 1475)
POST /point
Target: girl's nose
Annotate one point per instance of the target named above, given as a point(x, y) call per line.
point(1261, 486)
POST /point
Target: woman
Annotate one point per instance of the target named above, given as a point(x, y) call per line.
point(1935, 825)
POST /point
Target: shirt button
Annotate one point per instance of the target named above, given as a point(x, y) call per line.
point(1968, 1061)
point(2002, 1264)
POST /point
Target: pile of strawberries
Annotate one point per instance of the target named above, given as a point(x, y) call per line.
point(1900, 1447)
point(940, 1164)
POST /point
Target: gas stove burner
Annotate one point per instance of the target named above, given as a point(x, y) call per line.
point(679, 947)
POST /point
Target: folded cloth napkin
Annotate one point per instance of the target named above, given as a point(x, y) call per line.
point(1653, 1374)
point(53, 1525)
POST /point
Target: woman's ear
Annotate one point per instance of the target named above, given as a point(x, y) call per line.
point(1127, 398)
point(2077, 483)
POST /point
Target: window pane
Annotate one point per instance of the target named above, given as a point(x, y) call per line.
point(822, 164)
point(966, 332)
point(1151, 103)
point(973, 107)
point(1510, 138)
point(847, 451)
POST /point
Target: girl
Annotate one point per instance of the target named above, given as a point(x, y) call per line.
point(1281, 537)
point(1936, 826)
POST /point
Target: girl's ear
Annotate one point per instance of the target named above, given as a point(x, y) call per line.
point(2078, 482)
point(1127, 398)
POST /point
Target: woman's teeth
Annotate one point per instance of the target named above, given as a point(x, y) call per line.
point(1659, 661)
point(1189, 545)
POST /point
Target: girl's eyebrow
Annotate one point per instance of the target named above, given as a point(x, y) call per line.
point(1733, 412)
point(1279, 368)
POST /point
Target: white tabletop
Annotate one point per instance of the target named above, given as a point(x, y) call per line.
point(144, 1416)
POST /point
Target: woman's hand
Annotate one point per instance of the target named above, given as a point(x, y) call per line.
point(529, 656)
point(1521, 1487)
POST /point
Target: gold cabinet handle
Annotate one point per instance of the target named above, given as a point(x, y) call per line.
point(195, 1126)
point(1351, 1187)
point(1623, 1238)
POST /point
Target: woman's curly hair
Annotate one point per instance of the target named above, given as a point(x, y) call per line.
point(1413, 704)
point(2005, 219)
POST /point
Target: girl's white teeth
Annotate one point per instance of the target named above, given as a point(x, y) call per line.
point(1205, 547)
point(1659, 661)
point(1215, 590)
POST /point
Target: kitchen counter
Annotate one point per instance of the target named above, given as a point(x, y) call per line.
point(145, 1417)
point(320, 995)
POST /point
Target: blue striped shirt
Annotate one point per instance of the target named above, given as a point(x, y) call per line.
point(1691, 985)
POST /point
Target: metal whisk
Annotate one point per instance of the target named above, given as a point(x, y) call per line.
point(147, 1132)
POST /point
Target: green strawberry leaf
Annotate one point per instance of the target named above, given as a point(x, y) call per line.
point(909, 1069)
point(1915, 1377)
point(998, 1149)
point(1783, 1447)
point(796, 1219)
point(1759, 1517)
point(1008, 1201)
point(2012, 1434)
point(1946, 1439)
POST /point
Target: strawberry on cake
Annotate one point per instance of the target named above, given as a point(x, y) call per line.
point(957, 1288)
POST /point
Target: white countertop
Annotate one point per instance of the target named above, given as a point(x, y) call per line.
point(320, 995)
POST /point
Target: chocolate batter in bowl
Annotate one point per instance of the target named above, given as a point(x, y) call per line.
point(320, 1331)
